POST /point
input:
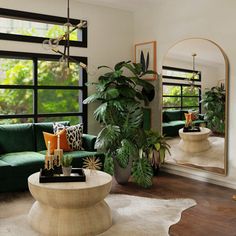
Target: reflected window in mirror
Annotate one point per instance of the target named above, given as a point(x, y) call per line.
point(193, 72)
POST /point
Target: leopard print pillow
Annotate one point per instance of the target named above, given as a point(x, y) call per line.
point(73, 134)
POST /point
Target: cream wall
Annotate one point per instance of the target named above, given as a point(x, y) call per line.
point(110, 35)
point(173, 20)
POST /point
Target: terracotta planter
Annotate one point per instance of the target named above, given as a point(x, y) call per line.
point(122, 174)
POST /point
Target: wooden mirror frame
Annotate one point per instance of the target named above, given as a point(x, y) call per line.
point(226, 106)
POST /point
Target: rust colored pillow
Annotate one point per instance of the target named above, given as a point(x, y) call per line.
point(53, 141)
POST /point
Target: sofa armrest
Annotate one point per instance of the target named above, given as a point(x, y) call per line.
point(88, 142)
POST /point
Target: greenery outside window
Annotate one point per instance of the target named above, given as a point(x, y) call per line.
point(33, 27)
point(31, 90)
point(181, 97)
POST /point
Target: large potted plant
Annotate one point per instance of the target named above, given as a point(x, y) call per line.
point(121, 92)
point(214, 104)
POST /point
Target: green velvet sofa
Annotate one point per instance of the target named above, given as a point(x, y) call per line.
point(22, 149)
point(173, 120)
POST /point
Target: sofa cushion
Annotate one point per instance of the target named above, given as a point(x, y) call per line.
point(173, 115)
point(53, 138)
point(5, 169)
point(183, 114)
point(73, 133)
point(44, 127)
point(16, 138)
point(177, 123)
point(164, 117)
point(23, 163)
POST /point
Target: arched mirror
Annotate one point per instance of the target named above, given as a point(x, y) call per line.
point(194, 105)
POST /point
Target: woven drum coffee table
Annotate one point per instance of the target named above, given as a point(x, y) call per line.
point(71, 208)
point(195, 141)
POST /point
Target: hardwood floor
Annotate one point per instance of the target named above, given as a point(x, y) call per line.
point(214, 214)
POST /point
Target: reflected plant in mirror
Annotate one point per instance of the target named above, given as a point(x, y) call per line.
point(195, 82)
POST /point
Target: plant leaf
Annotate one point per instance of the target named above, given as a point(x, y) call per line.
point(142, 172)
point(107, 136)
point(147, 62)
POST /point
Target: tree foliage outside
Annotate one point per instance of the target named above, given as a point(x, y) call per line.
point(173, 98)
point(16, 101)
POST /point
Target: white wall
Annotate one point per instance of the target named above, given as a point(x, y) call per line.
point(171, 21)
point(110, 35)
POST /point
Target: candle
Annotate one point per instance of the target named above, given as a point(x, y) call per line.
point(58, 142)
point(49, 148)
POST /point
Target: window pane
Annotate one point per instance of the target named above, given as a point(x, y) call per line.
point(181, 74)
point(188, 91)
point(16, 71)
point(171, 102)
point(16, 101)
point(171, 90)
point(188, 102)
point(73, 119)
point(52, 73)
point(16, 121)
point(58, 101)
point(33, 28)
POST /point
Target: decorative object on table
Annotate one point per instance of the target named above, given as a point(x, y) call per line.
point(58, 155)
point(213, 101)
point(53, 43)
point(73, 134)
point(77, 175)
point(145, 54)
point(188, 119)
point(93, 164)
point(66, 164)
point(121, 114)
point(48, 161)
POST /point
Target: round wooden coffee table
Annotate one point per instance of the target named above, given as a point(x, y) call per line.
point(71, 208)
point(195, 141)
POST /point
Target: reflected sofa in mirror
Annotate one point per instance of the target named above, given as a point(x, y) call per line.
point(194, 105)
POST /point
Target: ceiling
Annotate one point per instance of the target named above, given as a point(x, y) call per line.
point(130, 5)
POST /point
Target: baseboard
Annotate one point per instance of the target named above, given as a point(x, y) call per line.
point(199, 176)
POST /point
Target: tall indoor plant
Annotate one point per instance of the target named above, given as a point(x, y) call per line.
point(214, 104)
point(121, 114)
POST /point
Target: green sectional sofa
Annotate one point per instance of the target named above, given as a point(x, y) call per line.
point(173, 120)
point(22, 150)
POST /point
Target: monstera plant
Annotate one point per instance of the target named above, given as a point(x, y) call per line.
point(214, 104)
point(121, 92)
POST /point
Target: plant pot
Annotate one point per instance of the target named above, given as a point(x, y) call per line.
point(122, 174)
point(66, 170)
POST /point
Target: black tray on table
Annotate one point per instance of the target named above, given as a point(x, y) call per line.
point(77, 175)
point(192, 129)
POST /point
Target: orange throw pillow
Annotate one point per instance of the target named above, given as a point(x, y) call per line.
point(53, 141)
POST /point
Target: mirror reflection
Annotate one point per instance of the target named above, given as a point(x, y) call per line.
point(194, 84)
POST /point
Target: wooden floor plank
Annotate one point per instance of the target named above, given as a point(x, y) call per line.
point(214, 214)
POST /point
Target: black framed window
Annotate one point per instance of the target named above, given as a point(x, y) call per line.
point(179, 73)
point(33, 27)
point(33, 88)
point(181, 97)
